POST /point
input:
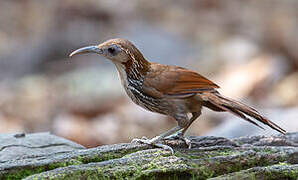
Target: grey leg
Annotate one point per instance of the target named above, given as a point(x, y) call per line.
point(195, 115)
point(160, 137)
point(165, 134)
point(180, 133)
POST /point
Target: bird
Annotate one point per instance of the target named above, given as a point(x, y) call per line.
point(170, 90)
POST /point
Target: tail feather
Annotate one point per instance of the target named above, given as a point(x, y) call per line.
point(241, 115)
point(241, 110)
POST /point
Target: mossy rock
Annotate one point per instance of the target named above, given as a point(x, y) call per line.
point(256, 157)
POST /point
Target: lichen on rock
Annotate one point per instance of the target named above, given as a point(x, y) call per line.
point(256, 157)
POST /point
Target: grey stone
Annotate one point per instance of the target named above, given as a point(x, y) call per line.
point(209, 157)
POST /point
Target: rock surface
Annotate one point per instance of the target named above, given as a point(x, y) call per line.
point(44, 156)
point(20, 146)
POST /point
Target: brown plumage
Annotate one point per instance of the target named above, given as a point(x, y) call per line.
point(169, 90)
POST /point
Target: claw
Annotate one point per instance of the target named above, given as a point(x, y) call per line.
point(180, 136)
point(165, 147)
point(177, 135)
point(136, 140)
point(152, 142)
point(187, 142)
point(144, 137)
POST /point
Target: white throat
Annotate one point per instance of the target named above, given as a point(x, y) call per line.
point(121, 72)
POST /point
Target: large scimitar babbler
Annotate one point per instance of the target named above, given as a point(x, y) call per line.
point(169, 90)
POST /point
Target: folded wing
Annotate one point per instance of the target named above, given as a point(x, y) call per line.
point(176, 82)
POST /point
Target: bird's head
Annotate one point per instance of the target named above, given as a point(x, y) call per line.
point(117, 50)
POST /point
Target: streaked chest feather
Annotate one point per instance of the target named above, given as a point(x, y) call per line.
point(133, 89)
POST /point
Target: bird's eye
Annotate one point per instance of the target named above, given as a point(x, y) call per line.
point(111, 50)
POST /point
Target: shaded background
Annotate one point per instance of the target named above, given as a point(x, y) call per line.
point(249, 48)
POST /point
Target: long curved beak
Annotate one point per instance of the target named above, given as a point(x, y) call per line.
point(88, 49)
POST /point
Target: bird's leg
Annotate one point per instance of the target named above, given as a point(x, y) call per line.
point(195, 115)
point(160, 137)
point(180, 134)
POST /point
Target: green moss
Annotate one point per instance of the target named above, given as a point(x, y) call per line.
point(80, 159)
point(283, 164)
point(27, 171)
point(252, 176)
point(201, 172)
point(208, 154)
point(191, 164)
point(151, 170)
point(270, 172)
point(225, 153)
point(106, 156)
point(282, 174)
point(21, 173)
point(267, 150)
point(214, 164)
point(62, 164)
point(291, 174)
point(132, 170)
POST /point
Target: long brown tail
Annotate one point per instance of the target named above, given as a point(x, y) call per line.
point(217, 102)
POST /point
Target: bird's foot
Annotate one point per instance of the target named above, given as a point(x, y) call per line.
point(174, 136)
point(153, 143)
point(180, 136)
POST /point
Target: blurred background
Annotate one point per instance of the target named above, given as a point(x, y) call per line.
point(249, 48)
